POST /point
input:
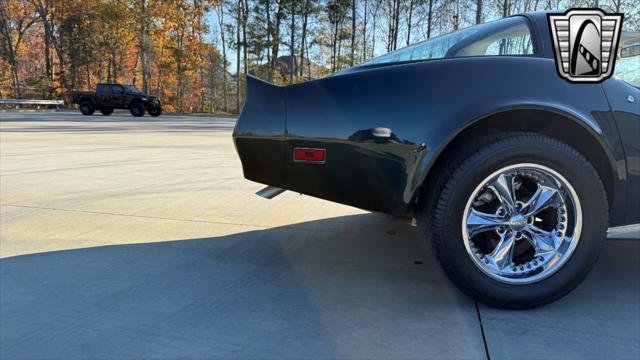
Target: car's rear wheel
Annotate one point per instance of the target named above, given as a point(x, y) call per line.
point(87, 108)
point(137, 109)
point(106, 111)
point(519, 221)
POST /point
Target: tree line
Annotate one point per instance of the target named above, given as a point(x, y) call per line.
point(196, 54)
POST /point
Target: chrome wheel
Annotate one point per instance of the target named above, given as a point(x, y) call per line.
point(522, 223)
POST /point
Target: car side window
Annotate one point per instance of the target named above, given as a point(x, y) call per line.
point(513, 40)
point(117, 89)
point(104, 89)
point(627, 65)
point(509, 36)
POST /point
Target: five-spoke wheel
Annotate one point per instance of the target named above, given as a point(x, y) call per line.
point(522, 223)
point(508, 218)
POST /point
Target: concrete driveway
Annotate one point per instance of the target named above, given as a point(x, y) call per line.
point(128, 238)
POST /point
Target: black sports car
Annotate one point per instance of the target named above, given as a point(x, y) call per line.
point(513, 173)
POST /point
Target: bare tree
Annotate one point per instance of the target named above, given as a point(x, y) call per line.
point(429, 19)
point(336, 13)
point(306, 10)
point(223, 43)
point(364, 30)
point(393, 23)
point(293, 69)
point(353, 32)
point(410, 21)
point(376, 10)
point(275, 34)
point(238, 58)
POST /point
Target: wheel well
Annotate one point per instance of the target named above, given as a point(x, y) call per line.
point(545, 122)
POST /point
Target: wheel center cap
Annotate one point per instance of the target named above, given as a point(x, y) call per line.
point(517, 222)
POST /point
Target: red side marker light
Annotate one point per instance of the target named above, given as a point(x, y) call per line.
point(309, 155)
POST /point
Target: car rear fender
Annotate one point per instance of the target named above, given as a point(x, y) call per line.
point(600, 130)
point(259, 134)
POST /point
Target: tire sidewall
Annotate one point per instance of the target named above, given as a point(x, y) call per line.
point(87, 108)
point(155, 112)
point(137, 109)
point(587, 186)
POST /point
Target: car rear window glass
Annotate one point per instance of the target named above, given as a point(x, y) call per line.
point(627, 66)
point(512, 40)
point(510, 36)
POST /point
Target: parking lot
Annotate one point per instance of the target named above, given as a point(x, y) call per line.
point(139, 238)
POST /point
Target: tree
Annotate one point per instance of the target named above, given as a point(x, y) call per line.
point(49, 47)
point(292, 36)
point(43, 8)
point(353, 32)
point(337, 12)
point(220, 11)
point(16, 17)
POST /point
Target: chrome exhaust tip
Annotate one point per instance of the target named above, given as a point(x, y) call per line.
point(270, 192)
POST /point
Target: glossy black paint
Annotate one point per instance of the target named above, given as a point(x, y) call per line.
point(385, 126)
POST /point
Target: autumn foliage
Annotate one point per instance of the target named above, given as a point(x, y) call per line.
point(196, 54)
point(51, 47)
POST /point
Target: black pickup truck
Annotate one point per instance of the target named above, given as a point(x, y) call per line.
point(115, 96)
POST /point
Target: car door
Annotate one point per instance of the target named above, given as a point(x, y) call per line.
point(103, 95)
point(118, 96)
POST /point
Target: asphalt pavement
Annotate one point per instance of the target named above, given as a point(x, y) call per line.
point(139, 238)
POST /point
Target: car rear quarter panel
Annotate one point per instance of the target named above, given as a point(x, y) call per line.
point(420, 108)
point(259, 134)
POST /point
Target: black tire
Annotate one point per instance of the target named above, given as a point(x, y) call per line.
point(137, 109)
point(87, 108)
point(441, 215)
point(155, 111)
point(106, 111)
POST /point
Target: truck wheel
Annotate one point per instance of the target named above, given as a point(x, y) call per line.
point(137, 109)
point(106, 111)
point(155, 112)
point(87, 108)
point(517, 222)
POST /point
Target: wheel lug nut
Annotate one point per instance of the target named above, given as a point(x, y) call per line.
point(560, 226)
point(563, 219)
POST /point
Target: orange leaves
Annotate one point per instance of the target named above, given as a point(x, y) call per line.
point(160, 44)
